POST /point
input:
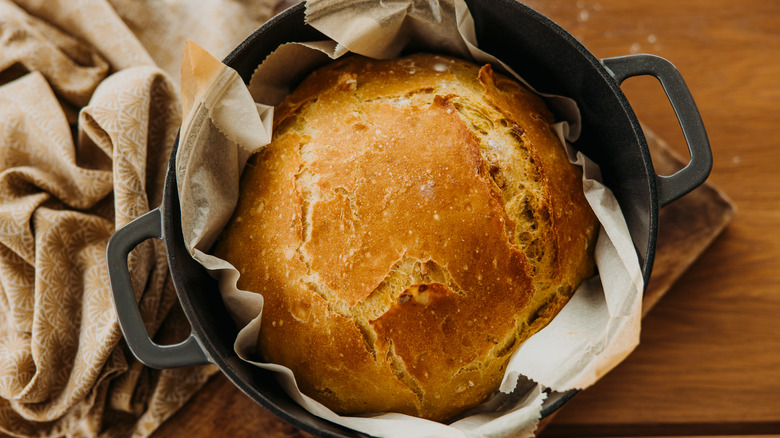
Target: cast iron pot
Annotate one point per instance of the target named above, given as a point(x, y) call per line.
point(551, 60)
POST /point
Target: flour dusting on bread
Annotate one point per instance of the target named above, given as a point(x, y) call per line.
point(412, 222)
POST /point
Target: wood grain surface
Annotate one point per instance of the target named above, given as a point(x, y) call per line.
point(709, 359)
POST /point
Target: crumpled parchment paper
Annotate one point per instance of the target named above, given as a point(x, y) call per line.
point(594, 332)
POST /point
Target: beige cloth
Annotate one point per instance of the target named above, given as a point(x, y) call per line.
point(89, 109)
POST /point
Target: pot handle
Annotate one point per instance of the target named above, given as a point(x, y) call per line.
point(696, 171)
point(186, 353)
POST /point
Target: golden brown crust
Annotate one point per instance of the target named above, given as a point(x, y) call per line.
point(412, 222)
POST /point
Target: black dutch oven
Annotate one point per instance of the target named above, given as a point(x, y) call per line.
point(540, 51)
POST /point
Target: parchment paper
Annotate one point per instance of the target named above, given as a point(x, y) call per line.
point(593, 333)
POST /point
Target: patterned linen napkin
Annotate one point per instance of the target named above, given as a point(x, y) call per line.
point(89, 109)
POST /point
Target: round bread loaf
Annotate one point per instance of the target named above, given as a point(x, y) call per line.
point(412, 222)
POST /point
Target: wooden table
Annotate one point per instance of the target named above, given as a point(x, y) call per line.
point(709, 359)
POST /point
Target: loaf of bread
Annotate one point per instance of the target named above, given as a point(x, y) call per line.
point(412, 222)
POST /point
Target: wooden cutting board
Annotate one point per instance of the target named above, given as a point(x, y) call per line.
point(686, 229)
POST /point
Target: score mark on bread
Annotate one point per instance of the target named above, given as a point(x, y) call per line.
point(412, 222)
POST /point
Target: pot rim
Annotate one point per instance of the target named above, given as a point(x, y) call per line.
point(222, 358)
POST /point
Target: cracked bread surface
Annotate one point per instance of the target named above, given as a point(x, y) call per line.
point(412, 222)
